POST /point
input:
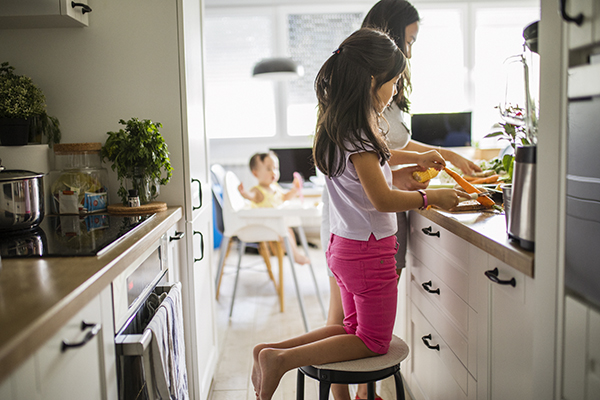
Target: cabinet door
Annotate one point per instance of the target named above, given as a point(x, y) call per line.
point(76, 372)
point(201, 296)
point(42, 14)
point(510, 338)
point(22, 383)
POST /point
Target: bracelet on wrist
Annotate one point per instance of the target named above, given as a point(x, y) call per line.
point(425, 203)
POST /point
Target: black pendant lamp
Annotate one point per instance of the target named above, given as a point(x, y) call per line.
point(278, 68)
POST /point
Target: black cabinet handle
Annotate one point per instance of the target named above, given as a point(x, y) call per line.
point(84, 7)
point(199, 193)
point(95, 328)
point(426, 340)
point(428, 232)
point(201, 245)
point(427, 287)
point(178, 236)
point(563, 11)
point(493, 276)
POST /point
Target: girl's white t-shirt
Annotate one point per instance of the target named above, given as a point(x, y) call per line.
point(351, 213)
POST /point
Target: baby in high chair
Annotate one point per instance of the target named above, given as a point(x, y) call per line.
point(268, 193)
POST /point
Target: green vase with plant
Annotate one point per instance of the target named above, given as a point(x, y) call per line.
point(140, 156)
point(23, 110)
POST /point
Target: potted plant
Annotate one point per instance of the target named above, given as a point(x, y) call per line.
point(23, 111)
point(140, 156)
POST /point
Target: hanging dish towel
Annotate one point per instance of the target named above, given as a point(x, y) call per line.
point(167, 352)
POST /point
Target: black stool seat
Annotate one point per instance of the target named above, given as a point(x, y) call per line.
point(364, 370)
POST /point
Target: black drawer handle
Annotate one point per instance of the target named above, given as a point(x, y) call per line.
point(199, 194)
point(426, 339)
point(493, 276)
point(84, 7)
point(428, 232)
point(201, 245)
point(178, 236)
point(563, 11)
point(88, 336)
point(427, 287)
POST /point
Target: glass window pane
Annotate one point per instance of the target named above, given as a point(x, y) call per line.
point(312, 39)
point(237, 105)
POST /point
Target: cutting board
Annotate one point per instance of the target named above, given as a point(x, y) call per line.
point(150, 208)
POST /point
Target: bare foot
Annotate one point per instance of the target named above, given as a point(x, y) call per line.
point(271, 372)
point(301, 259)
point(255, 376)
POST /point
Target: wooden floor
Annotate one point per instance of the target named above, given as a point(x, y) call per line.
point(256, 318)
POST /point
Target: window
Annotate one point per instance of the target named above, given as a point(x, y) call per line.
point(457, 64)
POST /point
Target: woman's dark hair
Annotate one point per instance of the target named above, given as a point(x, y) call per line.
point(392, 17)
point(347, 105)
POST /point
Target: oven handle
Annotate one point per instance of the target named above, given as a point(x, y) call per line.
point(133, 345)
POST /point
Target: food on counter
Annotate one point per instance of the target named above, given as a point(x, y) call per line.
point(77, 192)
point(424, 176)
point(481, 181)
point(469, 188)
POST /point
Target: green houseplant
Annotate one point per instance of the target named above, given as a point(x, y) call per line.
point(139, 155)
point(23, 110)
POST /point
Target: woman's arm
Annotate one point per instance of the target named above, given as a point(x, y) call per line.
point(385, 199)
point(465, 165)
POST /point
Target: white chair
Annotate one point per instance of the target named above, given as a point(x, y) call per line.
point(262, 225)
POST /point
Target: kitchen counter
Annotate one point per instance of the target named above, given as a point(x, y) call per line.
point(39, 295)
point(486, 231)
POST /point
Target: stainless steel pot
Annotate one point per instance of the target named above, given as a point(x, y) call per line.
point(21, 199)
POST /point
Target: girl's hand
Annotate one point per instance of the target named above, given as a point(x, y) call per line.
point(402, 179)
point(446, 198)
point(430, 159)
point(465, 165)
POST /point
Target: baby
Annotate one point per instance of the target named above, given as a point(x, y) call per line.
point(268, 193)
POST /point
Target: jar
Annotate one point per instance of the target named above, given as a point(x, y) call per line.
point(78, 181)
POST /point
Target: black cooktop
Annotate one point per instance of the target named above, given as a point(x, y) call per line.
point(70, 235)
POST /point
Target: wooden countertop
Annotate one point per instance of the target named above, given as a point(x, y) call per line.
point(39, 295)
point(486, 231)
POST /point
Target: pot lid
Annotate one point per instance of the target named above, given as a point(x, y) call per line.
point(16, 174)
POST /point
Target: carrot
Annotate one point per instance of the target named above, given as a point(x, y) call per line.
point(488, 179)
point(483, 200)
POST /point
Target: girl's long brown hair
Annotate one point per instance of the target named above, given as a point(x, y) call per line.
point(393, 16)
point(347, 101)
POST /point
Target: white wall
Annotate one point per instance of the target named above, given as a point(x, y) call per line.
point(125, 64)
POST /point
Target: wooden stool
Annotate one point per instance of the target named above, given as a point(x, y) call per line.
point(365, 370)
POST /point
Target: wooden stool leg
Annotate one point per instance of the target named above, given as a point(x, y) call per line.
point(300, 385)
point(264, 252)
point(279, 252)
point(399, 386)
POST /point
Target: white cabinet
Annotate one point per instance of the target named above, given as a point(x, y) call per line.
point(44, 13)
point(470, 332)
point(589, 31)
point(75, 363)
point(581, 365)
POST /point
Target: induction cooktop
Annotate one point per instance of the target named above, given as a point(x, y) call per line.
point(70, 235)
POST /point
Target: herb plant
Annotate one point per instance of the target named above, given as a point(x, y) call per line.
point(138, 153)
point(20, 98)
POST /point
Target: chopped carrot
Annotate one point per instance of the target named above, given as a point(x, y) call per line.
point(469, 188)
point(488, 179)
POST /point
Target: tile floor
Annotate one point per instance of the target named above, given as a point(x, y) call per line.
point(256, 318)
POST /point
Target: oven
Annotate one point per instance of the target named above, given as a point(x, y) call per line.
point(137, 293)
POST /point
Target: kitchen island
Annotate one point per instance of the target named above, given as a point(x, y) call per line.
point(38, 296)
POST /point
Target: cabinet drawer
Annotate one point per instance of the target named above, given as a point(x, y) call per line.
point(447, 243)
point(440, 294)
point(436, 374)
point(454, 276)
point(452, 337)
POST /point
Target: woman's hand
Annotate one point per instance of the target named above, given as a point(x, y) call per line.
point(402, 179)
point(446, 198)
point(430, 159)
point(465, 165)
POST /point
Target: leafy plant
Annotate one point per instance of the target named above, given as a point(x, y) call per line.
point(20, 98)
point(138, 153)
point(515, 134)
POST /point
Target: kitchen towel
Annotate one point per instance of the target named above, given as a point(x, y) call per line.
point(169, 375)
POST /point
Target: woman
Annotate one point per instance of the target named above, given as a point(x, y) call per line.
point(400, 20)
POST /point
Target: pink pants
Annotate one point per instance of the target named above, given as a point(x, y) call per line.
point(366, 275)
